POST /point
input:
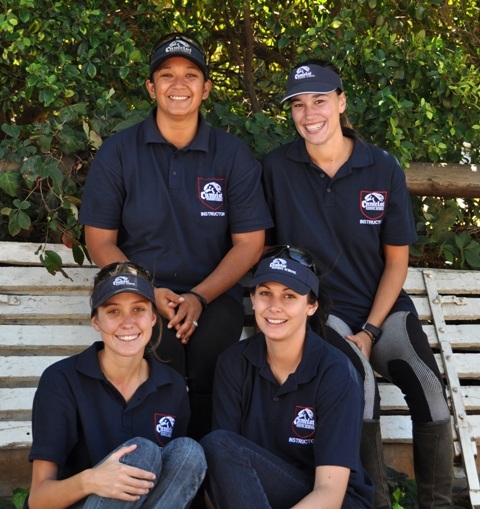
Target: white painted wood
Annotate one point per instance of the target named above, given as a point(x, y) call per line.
point(36, 280)
point(45, 337)
point(460, 336)
point(26, 253)
point(15, 434)
point(459, 282)
point(72, 308)
point(392, 399)
point(466, 364)
point(29, 368)
point(20, 398)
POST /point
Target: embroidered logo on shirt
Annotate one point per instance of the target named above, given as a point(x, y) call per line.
point(164, 425)
point(372, 206)
point(210, 193)
point(303, 424)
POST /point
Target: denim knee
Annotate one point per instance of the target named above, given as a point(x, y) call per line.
point(188, 450)
point(147, 455)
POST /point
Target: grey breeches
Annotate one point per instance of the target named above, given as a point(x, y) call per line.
point(404, 357)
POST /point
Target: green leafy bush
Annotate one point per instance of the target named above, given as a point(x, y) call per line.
point(72, 73)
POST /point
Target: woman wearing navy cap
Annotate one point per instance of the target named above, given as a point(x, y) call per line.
point(347, 203)
point(288, 406)
point(185, 200)
point(109, 423)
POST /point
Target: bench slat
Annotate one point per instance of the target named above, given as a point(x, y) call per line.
point(15, 434)
point(456, 282)
point(45, 337)
point(27, 253)
point(25, 369)
point(468, 310)
point(392, 399)
point(38, 280)
point(73, 308)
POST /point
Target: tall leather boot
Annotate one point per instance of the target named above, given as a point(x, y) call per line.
point(371, 452)
point(433, 464)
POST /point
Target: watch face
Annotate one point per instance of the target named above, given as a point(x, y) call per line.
point(374, 330)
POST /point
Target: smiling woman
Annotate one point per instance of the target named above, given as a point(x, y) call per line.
point(287, 406)
point(120, 414)
point(185, 200)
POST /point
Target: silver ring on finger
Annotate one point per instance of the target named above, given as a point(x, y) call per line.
point(195, 323)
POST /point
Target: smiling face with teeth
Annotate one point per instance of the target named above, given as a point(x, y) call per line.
point(178, 87)
point(125, 323)
point(281, 313)
point(317, 116)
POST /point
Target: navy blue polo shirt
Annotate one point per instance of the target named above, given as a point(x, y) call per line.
point(79, 417)
point(175, 210)
point(343, 222)
point(313, 419)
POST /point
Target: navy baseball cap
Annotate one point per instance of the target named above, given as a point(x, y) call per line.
point(312, 79)
point(177, 45)
point(292, 274)
point(120, 283)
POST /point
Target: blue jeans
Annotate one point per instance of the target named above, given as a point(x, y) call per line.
point(243, 475)
point(179, 466)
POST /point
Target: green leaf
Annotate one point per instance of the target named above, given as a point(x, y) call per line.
point(10, 183)
point(52, 261)
point(78, 254)
point(23, 220)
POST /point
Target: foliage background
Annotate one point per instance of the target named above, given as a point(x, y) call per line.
point(72, 73)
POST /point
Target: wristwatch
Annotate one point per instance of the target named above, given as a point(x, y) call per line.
point(374, 332)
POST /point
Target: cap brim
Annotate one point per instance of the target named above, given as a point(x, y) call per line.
point(290, 282)
point(303, 89)
point(155, 64)
point(106, 290)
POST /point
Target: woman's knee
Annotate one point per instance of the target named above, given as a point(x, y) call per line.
point(147, 455)
point(220, 443)
point(186, 451)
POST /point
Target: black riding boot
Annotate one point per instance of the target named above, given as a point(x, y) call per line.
point(371, 451)
point(433, 464)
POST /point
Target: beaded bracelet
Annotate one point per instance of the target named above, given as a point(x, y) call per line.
point(201, 298)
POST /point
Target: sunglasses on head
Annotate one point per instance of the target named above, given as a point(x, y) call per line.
point(295, 254)
point(175, 37)
point(115, 268)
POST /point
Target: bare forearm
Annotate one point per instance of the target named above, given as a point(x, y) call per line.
point(53, 494)
point(391, 283)
point(242, 256)
point(329, 489)
point(102, 246)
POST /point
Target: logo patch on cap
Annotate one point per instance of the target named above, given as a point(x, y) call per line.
point(179, 45)
point(122, 280)
point(304, 72)
point(281, 264)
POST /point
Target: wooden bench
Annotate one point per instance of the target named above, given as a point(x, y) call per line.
point(44, 318)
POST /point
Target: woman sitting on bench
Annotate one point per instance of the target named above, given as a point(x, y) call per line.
point(109, 423)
